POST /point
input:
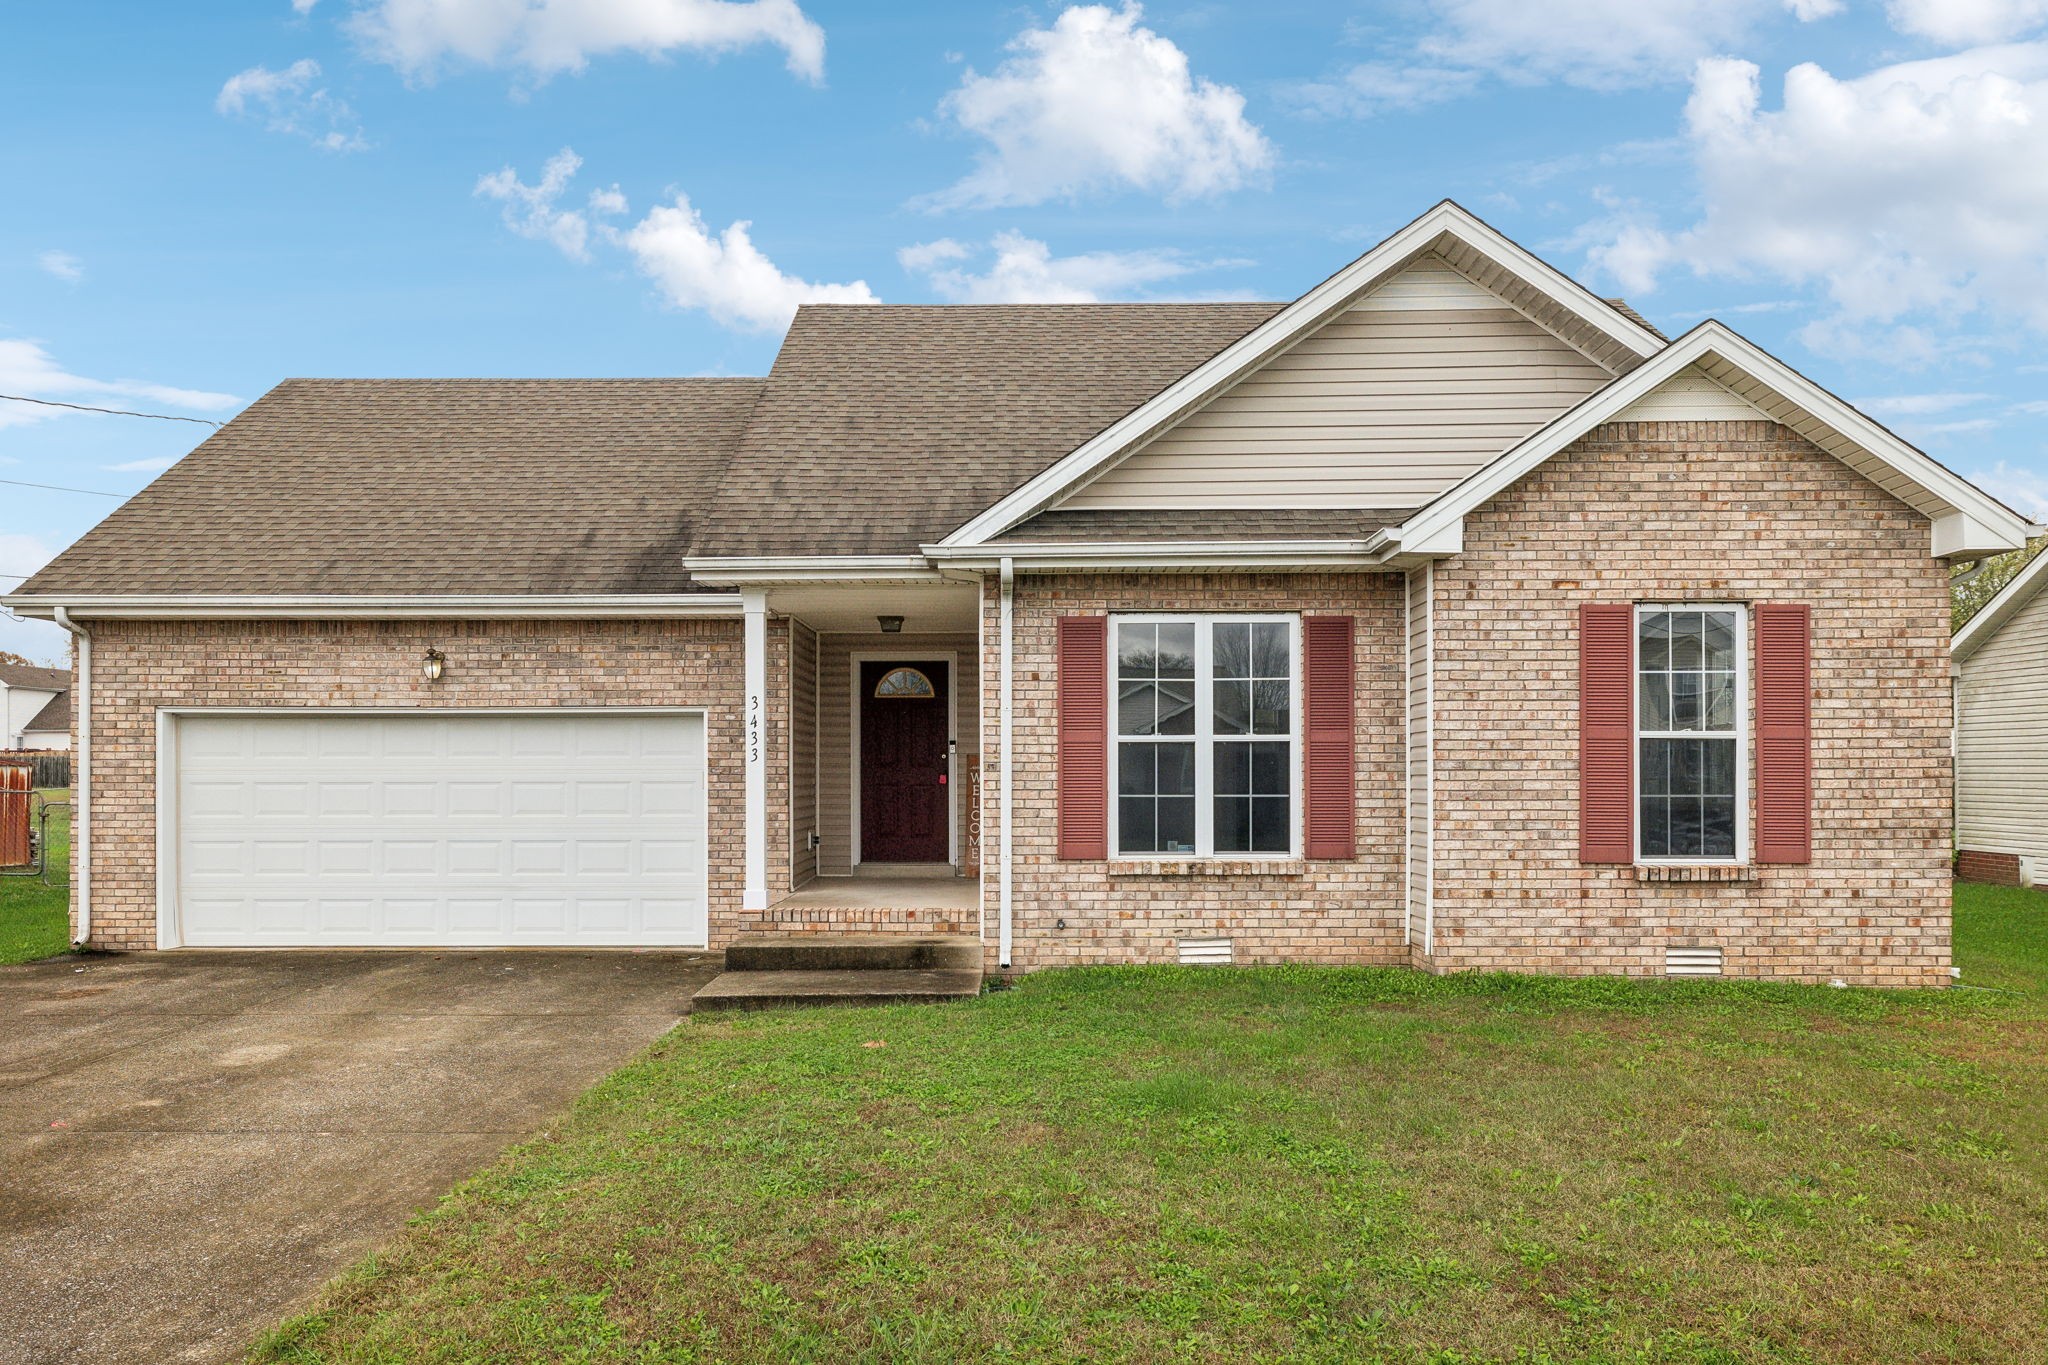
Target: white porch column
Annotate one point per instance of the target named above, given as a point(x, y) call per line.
point(754, 720)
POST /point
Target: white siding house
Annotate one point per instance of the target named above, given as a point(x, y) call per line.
point(2001, 660)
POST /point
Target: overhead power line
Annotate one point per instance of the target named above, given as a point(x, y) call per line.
point(59, 488)
point(116, 412)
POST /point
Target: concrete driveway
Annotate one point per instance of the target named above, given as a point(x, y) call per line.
point(191, 1142)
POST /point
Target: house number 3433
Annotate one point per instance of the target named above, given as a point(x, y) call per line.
point(754, 729)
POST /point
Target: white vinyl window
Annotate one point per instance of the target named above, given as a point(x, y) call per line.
point(1205, 728)
point(1691, 759)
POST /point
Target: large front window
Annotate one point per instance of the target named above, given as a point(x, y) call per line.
point(1690, 700)
point(1205, 732)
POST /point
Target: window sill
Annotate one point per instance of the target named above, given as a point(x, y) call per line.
point(1208, 867)
point(1696, 872)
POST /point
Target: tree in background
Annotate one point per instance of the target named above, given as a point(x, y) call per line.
point(1970, 586)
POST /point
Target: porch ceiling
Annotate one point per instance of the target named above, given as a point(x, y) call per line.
point(926, 607)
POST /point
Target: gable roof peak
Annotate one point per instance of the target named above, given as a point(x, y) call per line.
point(1591, 324)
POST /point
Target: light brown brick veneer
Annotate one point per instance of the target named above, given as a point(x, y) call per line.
point(1327, 912)
point(1678, 511)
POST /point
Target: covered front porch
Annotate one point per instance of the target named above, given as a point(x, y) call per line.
point(878, 683)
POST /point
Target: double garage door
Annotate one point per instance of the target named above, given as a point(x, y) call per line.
point(437, 829)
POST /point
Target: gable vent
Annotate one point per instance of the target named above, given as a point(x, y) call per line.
point(1205, 952)
point(1692, 962)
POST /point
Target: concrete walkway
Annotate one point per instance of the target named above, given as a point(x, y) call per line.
point(191, 1142)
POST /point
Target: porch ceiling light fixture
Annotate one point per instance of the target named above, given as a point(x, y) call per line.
point(891, 625)
point(433, 666)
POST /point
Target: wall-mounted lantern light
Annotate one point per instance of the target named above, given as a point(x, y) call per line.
point(890, 624)
point(435, 662)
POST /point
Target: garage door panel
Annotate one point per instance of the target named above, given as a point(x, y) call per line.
point(436, 828)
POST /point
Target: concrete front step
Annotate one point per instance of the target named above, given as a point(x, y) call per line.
point(854, 953)
point(761, 990)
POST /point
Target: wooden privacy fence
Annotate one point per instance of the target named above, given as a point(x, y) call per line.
point(49, 767)
point(15, 794)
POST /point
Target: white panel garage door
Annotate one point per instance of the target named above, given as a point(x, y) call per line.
point(439, 829)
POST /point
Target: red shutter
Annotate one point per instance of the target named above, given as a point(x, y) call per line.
point(1330, 763)
point(1607, 657)
point(1784, 733)
point(1084, 736)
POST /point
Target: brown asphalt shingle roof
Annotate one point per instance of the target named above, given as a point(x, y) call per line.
point(884, 428)
point(29, 675)
point(55, 716)
point(352, 486)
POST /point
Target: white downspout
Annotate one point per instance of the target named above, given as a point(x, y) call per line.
point(81, 777)
point(1007, 709)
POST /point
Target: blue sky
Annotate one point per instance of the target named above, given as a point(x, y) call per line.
point(202, 199)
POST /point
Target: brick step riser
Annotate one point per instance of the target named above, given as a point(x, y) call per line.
point(851, 957)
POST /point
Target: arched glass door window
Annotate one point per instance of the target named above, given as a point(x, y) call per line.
point(905, 682)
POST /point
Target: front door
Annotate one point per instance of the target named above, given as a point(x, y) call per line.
point(903, 808)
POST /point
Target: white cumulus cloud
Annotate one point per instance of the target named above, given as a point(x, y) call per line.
point(547, 37)
point(534, 211)
point(1915, 190)
point(724, 274)
point(1020, 269)
point(1963, 23)
point(62, 265)
point(291, 101)
point(28, 369)
point(1099, 102)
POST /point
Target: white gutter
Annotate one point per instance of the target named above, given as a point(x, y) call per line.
point(81, 775)
point(1006, 708)
point(234, 606)
point(1274, 555)
point(749, 570)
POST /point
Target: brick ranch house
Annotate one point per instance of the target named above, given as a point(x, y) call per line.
point(1448, 615)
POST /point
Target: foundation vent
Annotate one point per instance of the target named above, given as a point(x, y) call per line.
point(1692, 962)
point(1205, 952)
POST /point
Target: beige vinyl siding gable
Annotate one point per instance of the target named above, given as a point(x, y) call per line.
point(1416, 385)
point(1692, 396)
point(2002, 739)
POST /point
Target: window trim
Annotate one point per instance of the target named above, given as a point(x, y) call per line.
point(1740, 733)
point(1205, 738)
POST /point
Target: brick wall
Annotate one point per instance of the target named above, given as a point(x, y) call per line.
point(1999, 869)
point(139, 666)
point(1314, 912)
point(1735, 511)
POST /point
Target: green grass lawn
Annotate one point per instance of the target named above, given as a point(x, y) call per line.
point(1274, 1164)
point(34, 918)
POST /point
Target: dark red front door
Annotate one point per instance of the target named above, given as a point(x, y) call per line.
point(903, 708)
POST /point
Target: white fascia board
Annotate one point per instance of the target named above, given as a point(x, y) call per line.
point(767, 570)
point(1944, 493)
point(1297, 319)
point(234, 606)
point(1271, 555)
point(1993, 615)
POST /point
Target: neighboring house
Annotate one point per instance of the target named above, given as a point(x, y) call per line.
point(2001, 663)
point(1447, 615)
point(35, 707)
